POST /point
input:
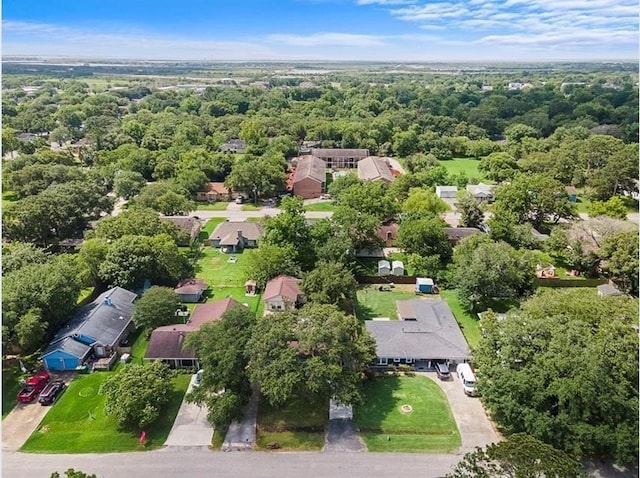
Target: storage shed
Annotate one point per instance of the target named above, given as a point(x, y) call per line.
point(397, 268)
point(424, 285)
point(384, 268)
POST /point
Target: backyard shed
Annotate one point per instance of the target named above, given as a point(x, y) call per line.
point(384, 268)
point(424, 285)
point(397, 268)
point(446, 192)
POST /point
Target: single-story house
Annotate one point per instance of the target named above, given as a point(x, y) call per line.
point(191, 290)
point(188, 226)
point(424, 285)
point(310, 177)
point(456, 234)
point(374, 168)
point(446, 191)
point(397, 268)
point(572, 192)
point(282, 293)
point(214, 192)
point(166, 342)
point(95, 330)
point(233, 146)
point(388, 232)
point(481, 191)
point(234, 236)
point(339, 158)
point(606, 290)
point(384, 268)
point(427, 331)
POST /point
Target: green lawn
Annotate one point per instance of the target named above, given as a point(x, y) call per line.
point(139, 345)
point(77, 423)
point(214, 267)
point(299, 425)
point(467, 321)
point(253, 302)
point(251, 207)
point(427, 426)
point(211, 206)
point(468, 165)
point(84, 295)
point(320, 206)
point(373, 303)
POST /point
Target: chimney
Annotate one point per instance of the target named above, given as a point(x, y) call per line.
point(240, 235)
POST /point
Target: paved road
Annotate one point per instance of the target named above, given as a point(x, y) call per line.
point(196, 463)
point(191, 427)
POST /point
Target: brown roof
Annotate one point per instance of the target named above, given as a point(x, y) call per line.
point(191, 286)
point(374, 167)
point(282, 285)
point(166, 343)
point(219, 188)
point(339, 153)
point(211, 312)
point(310, 167)
point(186, 223)
point(459, 233)
point(250, 230)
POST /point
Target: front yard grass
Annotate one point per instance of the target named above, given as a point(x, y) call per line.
point(211, 206)
point(251, 207)
point(427, 426)
point(374, 303)
point(298, 425)
point(320, 206)
point(77, 423)
point(467, 321)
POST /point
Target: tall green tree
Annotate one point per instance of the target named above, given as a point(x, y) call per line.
point(269, 261)
point(155, 307)
point(621, 254)
point(258, 177)
point(330, 283)
point(425, 237)
point(471, 214)
point(423, 202)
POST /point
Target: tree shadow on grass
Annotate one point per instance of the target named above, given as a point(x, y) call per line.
point(364, 312)
point(378, 403)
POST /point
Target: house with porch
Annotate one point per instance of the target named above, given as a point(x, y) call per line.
point(166, 343)
point(214, 192)
point(94, 332)
point(481, 192)
point(426, 332)
point(235, 236)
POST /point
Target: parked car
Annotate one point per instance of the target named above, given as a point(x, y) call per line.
point(239, 200)
point(442, 370)
point(198, 378)
point(33, 386)
point(467, 378)
point(51, 392)
point(325, 196)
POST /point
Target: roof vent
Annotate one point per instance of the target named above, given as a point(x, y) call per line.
point(121, 318)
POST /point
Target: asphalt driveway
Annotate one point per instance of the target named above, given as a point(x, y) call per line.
point(191, 427)
point(342, 437)
point(476, 429)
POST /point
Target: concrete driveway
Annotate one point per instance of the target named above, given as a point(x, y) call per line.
point(342, 437)
point(20, 423)
point(476, 429)
point(191, 428)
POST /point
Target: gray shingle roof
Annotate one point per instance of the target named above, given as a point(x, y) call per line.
point(372, 168)
point(250, 230)
point(434, 334)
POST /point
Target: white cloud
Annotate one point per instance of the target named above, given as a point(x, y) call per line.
point(385, 2)
point(325, 39)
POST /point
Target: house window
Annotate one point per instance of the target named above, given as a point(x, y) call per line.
point(408, 360)
point(382, 361)
point(279, 307)
point(396, 360)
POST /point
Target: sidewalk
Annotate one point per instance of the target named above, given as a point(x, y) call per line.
point(241, 436)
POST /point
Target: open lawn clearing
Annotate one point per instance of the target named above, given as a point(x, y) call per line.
point(320, 206)
point(139, 342)
point(372, 302)
point(545, 260)
point(406, 414)
point(211, 206)
point(468, 165)
point(298, 425)
point(253, 302)
point(77, 423)
point(467, 321)
point(220, 269)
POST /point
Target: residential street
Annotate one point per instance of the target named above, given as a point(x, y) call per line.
point(196, 463)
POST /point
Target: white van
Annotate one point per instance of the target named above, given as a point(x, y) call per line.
point(467, 378)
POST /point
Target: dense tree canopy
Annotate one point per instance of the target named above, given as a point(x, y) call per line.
point(155, 307)
point(564, 368)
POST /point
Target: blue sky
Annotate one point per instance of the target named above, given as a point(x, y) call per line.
point(368, 30)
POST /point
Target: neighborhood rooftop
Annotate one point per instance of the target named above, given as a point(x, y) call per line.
point(227, 231)
point(285, 286)
point(374, 168)
point(310, 167)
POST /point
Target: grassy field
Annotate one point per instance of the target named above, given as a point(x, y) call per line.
point(211, 206)
point(427, 426)
point(374, 303)
point(467, 321)
point(299, 425)
point(214, 267)
point(139, 344)
point(320, 206)
point(468, 165)
point(77, 423)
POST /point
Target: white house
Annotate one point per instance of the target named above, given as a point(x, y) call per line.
point(482, 191)
point(384, 268)
point(446, 191)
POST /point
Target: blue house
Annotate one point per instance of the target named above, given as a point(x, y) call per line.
point(424, 285)
point(95, 330)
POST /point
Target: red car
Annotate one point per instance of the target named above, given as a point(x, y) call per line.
point(33, 386)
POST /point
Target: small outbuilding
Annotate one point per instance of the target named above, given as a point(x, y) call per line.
point(250, 287)
point(446, 192)
point(384, 268)
point(424, 285)
point(397, 268)
point(191, 290)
